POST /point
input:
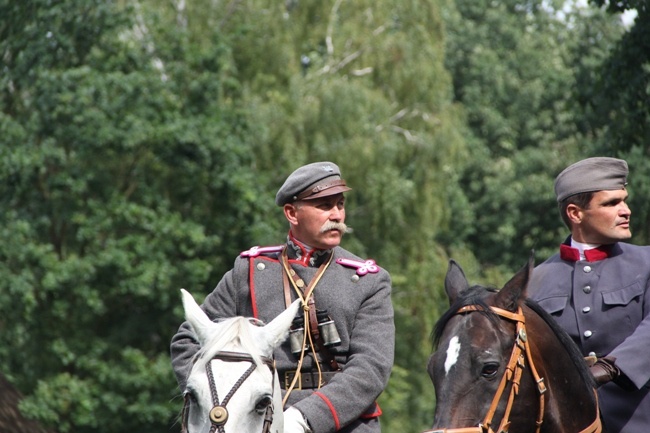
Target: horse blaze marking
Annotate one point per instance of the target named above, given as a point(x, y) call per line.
point(452, 353)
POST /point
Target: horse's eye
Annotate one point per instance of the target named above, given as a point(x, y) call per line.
point(189, 394)
point(490, 370)
point(263, 403)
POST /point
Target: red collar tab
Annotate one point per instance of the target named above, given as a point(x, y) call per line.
point(571, 254)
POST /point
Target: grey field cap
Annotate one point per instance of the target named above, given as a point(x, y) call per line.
point(590, 175)
point(318, 179)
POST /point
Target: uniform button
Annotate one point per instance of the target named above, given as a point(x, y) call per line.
point(591, 354)
point(586, 309)
point(587, 269)
point(261, 266)
point(586, 289)
point(588, 334)
point(355, 278)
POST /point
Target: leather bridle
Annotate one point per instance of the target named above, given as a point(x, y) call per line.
point(219, 413)
point(512, 375)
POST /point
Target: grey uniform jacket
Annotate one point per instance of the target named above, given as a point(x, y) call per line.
point(605, 307)
point(358, 302)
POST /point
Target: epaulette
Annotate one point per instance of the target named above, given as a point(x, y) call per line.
point(256, 251)
point(362, 267)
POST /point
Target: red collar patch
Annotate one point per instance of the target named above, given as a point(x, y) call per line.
point(571, 254)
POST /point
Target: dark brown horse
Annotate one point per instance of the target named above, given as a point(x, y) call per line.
point(502, 364)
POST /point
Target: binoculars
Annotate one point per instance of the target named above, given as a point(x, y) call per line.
point(326, 328)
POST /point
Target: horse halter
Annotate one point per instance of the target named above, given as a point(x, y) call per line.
point(512, 374)
point(219, 413)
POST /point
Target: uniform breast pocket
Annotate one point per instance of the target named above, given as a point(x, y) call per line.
point(554, 305)
point(625, 304)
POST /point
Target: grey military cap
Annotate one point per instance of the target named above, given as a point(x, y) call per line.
point(318, 179)
point(590, 175)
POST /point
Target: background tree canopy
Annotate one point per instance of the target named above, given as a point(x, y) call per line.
point(142, 143)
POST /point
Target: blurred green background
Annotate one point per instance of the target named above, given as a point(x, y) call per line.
point(142, 143)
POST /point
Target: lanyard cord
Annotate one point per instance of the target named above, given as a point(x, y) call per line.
point(297, 283)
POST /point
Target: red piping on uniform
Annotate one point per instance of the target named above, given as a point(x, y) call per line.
point(305, 255)
point(251, 283)
point(377, 412)
point(329, 404)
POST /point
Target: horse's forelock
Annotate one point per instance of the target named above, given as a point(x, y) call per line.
point(475, 295)
point(237, 330)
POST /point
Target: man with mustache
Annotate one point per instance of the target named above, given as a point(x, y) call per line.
point(596, 288)
point(340, 353)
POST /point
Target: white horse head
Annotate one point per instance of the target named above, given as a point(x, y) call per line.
point(233, 381)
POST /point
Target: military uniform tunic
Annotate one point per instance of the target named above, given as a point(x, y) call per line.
point(358, 301)
point(604, 305)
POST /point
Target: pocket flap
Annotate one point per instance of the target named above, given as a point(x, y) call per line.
point(554, 304)
point(623, 296)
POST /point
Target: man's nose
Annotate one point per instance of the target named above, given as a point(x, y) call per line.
point(336, 214)
point(625, 210)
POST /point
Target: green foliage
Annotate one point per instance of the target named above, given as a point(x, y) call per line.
point(118, 181)
point(622, 5)
point(519, 71)
point(619, 111)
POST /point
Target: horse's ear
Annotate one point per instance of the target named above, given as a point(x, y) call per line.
point(276, 331)
point(455, 281)
point(510, 296)
point(196, 317)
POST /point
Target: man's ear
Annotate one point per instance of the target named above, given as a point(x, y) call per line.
point(290, 213)
point(574, 212)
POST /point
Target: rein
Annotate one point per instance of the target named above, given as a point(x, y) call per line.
point(512, 375)
point(219, 413)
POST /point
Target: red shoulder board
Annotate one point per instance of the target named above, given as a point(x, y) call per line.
point(256, 251)
point(362, 267)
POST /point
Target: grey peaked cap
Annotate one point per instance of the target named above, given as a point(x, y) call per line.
point(590, 175)
point(318, 179)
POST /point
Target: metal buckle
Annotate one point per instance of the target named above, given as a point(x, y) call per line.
point(288, 378)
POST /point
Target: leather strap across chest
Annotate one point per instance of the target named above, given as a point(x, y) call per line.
point(307, 294)
point(311, 331)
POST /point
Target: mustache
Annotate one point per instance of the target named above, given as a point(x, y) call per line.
point(332, 225)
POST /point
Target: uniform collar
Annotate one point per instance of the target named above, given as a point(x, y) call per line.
point(570, 254)
point(304, 254)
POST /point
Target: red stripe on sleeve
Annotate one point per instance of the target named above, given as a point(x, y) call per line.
point(329, 404)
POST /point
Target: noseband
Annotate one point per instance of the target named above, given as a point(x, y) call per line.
point(219, 413)
point(512, 375)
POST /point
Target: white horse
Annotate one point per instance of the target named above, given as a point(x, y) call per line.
point(233, 386)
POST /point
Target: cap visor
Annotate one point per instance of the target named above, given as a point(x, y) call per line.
point(327, 192)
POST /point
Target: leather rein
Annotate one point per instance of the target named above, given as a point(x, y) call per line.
point(219, 413)
point(512, 375)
